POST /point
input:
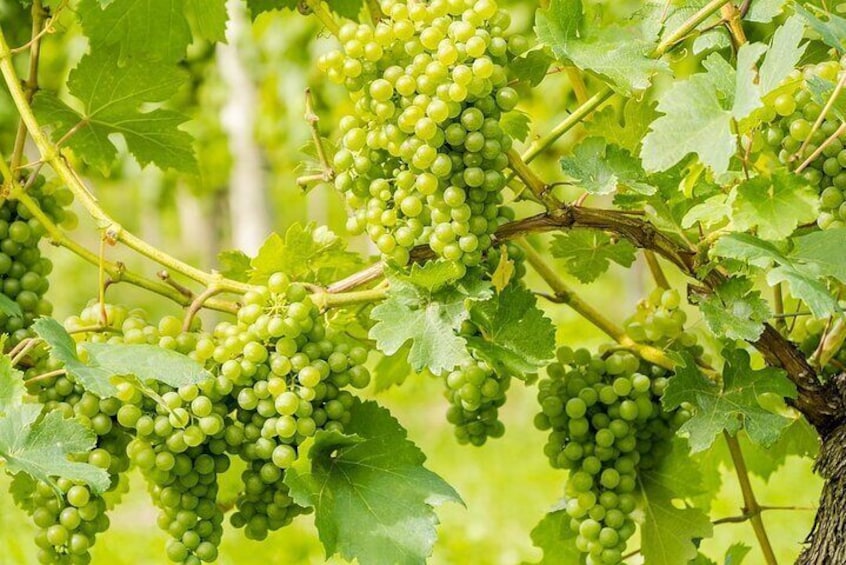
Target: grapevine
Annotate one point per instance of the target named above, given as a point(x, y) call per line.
point(497, 181)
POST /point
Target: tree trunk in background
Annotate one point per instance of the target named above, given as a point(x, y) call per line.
point(248, 204)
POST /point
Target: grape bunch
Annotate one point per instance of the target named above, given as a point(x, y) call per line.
point(23, 269)
point(424, 151)
point(792, 119)
point(659, 320)
point(606, 423)
point(283, 378)
point(475, 393)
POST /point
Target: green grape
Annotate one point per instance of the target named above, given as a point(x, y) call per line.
point(605, 423)
point(475, 393)
point(423, 155)
point(793, 137)
point(660, 320)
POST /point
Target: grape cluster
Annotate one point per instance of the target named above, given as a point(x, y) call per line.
point(475, 393)
point(68, 521)
point(793, 117)
point(23, 270)
point(659, 320)
point(424, 152)
point(606, 423)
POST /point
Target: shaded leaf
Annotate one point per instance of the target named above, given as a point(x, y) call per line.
point(735, 311)
point(588, 253)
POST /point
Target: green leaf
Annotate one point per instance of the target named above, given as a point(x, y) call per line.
point(798, 439)
point(515, 334)
point(774, 205)
point(603, 169)
point(62, 348)
point(832, 29)
point(146, 363)
point(516, 124)
point(256, 7)
point(763, 11)
point(736, 553)
point(373, 497)
point(694, 121)
point(234, 264)
point(617, 54)
point(712, 212)
point(783, 55)
point(531, 66)
point(110, 98)
point(412, 314)
point(40, 448)
point(433, 275)
point(669, 533)
point(587, 253)
point(735, 311)
point(391, 370)
point(9, 307)
point(637, 117)
point(208, 18)
point(307, 253)
point(106, 360)
point(802, 279)
point(823, 251)
point(554, 536)
point(150, 29)
point(729, 406)
point(12, 389)
point(349, 9)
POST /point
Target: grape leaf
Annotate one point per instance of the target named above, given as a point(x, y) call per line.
point(799, 439)
point(735, 311)
point(516, 124)
point(832, 30)
point(307, 253)
point(515, 335)
point(774, 205)
point(615, 53)
point(554, 536)
point(9, 307)
point(736, 553)
point(601, 169)
point(108, 101)
point(146, 362)
point(637, 116)
point(149, 29)
point(802, 280)
point(373, 497)
point(783, 54)
point(588, 253)
point(712, 212)
point(256, 7)
point(731, 405)
point(208, 18)
point(763, 11)
point(531, 66)
point(669, 531)
point(40, 448)
point(62, 348)
point(694, 121)
point(12, 389)
point(346, 8)
point(234, 264)
point(823, 251)
point(391, 370)
point(429, 318)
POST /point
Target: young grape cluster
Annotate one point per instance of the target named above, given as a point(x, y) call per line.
point(659, 320)
point(424, 152)
point(277, 379)
point(475, 393)
point(23, 269)
point(793, 117)
point(606, 423)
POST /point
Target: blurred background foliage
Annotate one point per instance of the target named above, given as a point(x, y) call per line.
point(507, 484)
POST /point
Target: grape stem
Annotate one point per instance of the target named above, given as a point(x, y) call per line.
point(31, 84)
point(751, 506)
point(197, 305)
point(312, 119)
point(324, 15)
point(326, 300)
point(539, 188)
point(45, 376)
point(564, 294)
point(656, 270)
point(829, 140)
point(828, 106)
